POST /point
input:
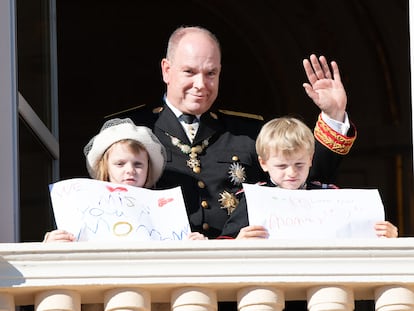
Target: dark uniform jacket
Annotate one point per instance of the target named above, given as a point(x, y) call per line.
point(240, 218)
point(228, 151)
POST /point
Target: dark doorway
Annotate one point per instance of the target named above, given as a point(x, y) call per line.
point(109, 54)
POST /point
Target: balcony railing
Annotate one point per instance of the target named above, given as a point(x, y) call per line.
point(196, 275)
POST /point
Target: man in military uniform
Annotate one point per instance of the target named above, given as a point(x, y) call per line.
point(210, 154)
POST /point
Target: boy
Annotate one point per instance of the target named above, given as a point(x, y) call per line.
point(285, 148)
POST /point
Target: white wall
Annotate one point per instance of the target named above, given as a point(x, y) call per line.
point(9, 194)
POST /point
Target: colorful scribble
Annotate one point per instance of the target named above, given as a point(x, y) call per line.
point(101, 211)
point(164, 201)
point(113, 189)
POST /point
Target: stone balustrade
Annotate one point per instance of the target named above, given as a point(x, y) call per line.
point(196, 275)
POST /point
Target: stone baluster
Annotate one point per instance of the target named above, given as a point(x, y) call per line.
point(193, 299)
point(58, 299)
point(127, 299)
point(330, 298)
point(259, 298)
point(6, 302)
point(394, 298)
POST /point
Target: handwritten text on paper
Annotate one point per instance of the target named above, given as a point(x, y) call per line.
point(97, 210)
point(303, 214)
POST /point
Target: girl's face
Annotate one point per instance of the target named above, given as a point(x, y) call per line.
point(288, 172)
point(126, 166)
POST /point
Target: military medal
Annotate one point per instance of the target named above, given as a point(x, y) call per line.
point(193, 162)
point(228, 201)
point(237, 174)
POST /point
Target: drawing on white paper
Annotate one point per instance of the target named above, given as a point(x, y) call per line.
point(303, 214)
point(96, 210)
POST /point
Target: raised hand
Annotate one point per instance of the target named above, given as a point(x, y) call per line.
point(325, 87)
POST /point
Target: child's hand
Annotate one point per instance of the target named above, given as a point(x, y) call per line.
point(196, 236)
point(385, 229)
point(253, 232)
point(59, 236)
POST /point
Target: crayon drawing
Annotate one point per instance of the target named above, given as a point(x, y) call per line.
point(95, 210)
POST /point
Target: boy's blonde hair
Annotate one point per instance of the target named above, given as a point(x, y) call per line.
point(284, 135)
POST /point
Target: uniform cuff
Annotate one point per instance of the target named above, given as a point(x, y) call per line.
point(337, 126)
point(331, 139)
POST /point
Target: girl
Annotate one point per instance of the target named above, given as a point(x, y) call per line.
point(122, 153)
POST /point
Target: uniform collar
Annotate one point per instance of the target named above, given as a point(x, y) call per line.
point(176, 111)
point(271, 183)
point(168, 123)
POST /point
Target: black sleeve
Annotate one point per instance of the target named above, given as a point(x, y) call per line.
point(325, 164)
point(237, 220)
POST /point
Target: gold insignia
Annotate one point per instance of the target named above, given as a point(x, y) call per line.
point(157, 110)
point(332, 140)
point(228, 201)
point(123, 111)
point(193, 162)
point(237, 174)
point(213, 115)
point(242, 114)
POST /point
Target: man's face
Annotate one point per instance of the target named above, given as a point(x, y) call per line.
point(192, 75)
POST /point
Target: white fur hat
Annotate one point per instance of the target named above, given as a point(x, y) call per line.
point(115, 130)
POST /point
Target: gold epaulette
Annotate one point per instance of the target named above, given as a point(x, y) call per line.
point(115, 114)
point(332, 140)
point(157, 109)
point(242, 114)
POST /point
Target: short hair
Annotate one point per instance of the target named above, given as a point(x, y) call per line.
point(134, 146)
point(182, 31)
point(284, 135)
